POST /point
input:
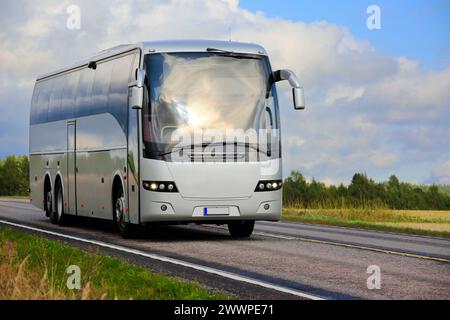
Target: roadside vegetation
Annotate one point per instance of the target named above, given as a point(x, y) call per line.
point(364, 193)
point(14, 176)
point(32, 267)
point(390, 206)
point(420, 222)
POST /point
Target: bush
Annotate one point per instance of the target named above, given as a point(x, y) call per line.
point(14, 176)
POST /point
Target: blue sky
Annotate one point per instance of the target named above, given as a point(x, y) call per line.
point(419, 29)
point(378, 101)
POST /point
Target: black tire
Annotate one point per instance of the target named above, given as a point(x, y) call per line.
point(48, 203)
point(57, 215)
point(241, 229)
point(126, 229)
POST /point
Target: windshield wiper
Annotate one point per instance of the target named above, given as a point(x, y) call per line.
point(204, 145)
point(232, 54)
point(218, 50)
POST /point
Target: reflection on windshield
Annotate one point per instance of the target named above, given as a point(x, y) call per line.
point(205, 91)
point(213, 92)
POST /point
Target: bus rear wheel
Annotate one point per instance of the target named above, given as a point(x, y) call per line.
point(57, 216)
point(241, 229)
point(48, 203)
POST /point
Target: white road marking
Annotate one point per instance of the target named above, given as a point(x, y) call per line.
point(199, 267)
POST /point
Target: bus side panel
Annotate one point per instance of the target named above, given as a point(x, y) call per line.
point(36, 168)
point(101, 106)
point(101, 153)
point(47, 158)
point(37, 181)
point(96, 170)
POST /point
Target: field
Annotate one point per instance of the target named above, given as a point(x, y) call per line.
point(35, 268)
point(421, 222)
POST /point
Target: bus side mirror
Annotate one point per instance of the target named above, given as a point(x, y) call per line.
point(136, 90)
point(299, 98)
point(298, 93)
point(135, 97)
point(140, 77)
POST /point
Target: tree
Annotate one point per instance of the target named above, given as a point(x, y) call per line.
point(360, 187)
point(14, 176)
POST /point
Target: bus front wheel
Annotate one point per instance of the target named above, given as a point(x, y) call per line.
point(241, 229)
point(126, 229)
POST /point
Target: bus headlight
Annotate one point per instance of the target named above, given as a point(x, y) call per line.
point(268, 185)
point(160, 186)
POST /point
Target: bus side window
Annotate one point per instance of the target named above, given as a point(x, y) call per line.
point(55, 98)
point(99, 98)
point(83, 99)
point(69, 95)
point(42, 102)
point(118, 90)
point(34, 104)
point(146, 115)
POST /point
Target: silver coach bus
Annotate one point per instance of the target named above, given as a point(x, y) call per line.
point(169, 132)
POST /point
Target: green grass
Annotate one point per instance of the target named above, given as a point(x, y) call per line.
point(45, 262)
point(431, 223)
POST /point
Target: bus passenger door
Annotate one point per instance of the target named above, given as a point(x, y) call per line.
point(71, 168)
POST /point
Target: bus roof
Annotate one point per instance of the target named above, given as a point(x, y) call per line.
point(202, 45)
point(166, 46)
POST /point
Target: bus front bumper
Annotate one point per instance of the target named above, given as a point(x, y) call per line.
point(172, 207)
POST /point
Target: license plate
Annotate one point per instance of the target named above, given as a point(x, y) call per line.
point(219, 211)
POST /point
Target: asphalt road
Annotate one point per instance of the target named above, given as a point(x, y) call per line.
point(293, 258)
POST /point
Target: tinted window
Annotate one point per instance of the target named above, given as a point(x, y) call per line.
point(85, 92)
point(42, 103)
point(118, 90)
point(68, 96)
point(33, 109)
point(55, 98)
point(99, 101)
point(83, 99)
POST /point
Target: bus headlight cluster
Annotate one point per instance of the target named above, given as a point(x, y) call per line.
point(160, 186)
point(269, 185)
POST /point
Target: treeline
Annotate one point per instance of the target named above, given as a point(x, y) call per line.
point(14, 176)
point(363, 192)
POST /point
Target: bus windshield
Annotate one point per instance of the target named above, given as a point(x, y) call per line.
point(203, 92)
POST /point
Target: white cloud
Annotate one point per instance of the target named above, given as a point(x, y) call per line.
point(295, 141)
point(360, 122)
point(382, 158)
point(412, 93)
point(343, 94)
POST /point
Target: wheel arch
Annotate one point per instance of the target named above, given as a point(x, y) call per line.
point(117, 181)
point(59, 178)
point(48, 186)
